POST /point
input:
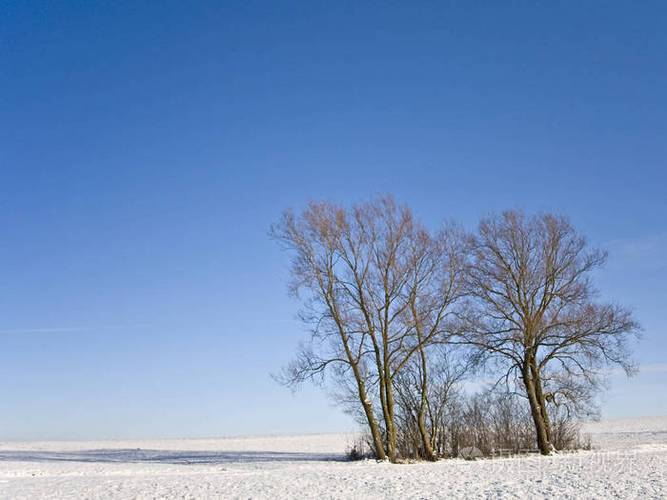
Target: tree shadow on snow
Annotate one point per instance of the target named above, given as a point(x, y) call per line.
point(166, 456)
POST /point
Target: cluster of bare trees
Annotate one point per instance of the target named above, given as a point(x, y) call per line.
point(400, 314)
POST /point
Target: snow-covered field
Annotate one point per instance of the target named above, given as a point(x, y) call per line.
point(630, 462)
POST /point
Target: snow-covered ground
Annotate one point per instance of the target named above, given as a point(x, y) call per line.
point(630, 462)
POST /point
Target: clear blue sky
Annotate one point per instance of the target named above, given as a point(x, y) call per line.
point(145, 150)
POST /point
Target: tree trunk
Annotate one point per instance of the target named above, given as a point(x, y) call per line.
point(539, 393)
point(380, 363)
point(536, 412)
point(389, 421)
point(372, 424)
point(363, 397)
point(370, 417)
point(387, 395)
point(421, 417)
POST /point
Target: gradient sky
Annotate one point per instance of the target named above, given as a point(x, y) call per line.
point(145, 150)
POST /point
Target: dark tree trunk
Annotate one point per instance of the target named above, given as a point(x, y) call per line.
point(543, 442)
point(365, 402)
point(539, 393)
point(389, 422)
point(372, 424)
point(421, 417)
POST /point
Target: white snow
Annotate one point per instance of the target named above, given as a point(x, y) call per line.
point(630, 461)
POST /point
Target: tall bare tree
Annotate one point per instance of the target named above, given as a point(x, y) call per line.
point(376, 288)
point(435, 284)
point(533, 310)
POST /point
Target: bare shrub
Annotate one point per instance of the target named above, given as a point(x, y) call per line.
point(360, 449)
point(444, 369)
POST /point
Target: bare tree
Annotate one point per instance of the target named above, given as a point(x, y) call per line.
point(533, 311)
point(435, 283)
point(376, 288)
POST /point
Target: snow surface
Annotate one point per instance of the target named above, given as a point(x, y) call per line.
point(630, 461)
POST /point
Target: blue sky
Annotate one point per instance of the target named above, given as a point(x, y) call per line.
point(145, 150)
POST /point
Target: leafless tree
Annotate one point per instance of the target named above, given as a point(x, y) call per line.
point(533, 311)
point(435, 283)
point(376, 288)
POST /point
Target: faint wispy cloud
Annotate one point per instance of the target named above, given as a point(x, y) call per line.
point(647, 251)
point(653, 368)
point(643, 369)
point(20, 331)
